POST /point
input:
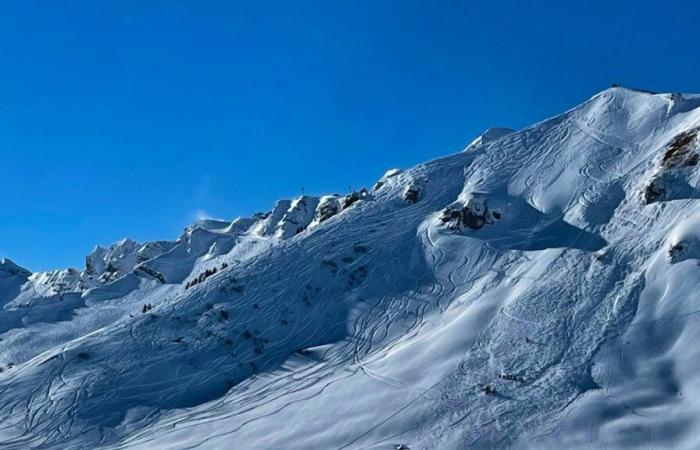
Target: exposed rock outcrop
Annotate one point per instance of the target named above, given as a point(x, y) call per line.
point(671, 178)
point(474, 215)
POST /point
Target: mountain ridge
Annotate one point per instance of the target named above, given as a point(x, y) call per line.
point(531, 292)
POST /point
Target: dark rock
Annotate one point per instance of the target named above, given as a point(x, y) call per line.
point(350, 199)
point(332, 265)
point(509, 377)
point(488, 390)
point(654, 191)
point(150, 272)
point(474, 215)
point(676, 249)
point(412, 195)
point(357, 276)
point(472, 220)
point(449, 214)
point(327, 210)
point(359, 248)
point(679, 152)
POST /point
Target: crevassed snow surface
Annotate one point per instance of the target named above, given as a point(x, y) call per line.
point(540, 293)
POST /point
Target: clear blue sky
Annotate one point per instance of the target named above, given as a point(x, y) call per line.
point(130, 118)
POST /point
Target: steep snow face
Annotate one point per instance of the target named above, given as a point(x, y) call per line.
point(57, 282)
point(267, 225)
point(300, 214)
point(240, 225)
point(527, 293)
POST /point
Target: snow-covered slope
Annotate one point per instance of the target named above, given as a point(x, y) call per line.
point(490, 135)
point(536, 291)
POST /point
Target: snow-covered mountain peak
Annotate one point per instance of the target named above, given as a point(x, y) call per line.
point(8, 267)
point(105, 265)
point(534, 292)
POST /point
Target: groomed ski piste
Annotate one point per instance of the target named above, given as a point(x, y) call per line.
point(536, 291)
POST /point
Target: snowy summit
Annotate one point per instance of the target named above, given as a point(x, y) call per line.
point(490, 135)
point(537, 291)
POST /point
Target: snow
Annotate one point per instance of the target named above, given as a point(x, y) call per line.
point(378, 324)
point(391, 173)
point(489, 136)
point(298, 217)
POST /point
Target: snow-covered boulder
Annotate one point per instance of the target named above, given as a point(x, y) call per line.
point(349, 200)
point(327, 207)
point(684, 240)
point(413, 192)
point(473, 215)
point(680, 251)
